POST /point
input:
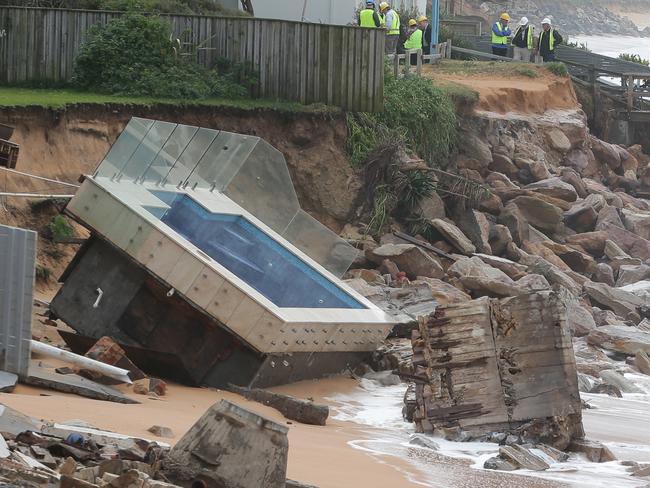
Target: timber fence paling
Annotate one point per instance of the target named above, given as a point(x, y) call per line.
point(297, 61)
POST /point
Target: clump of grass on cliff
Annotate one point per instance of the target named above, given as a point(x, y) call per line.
point(557, 68)
point(415, 111)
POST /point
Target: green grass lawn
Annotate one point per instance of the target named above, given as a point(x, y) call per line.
point(58, 98)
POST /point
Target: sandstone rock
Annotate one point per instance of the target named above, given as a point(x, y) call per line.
point(556, 188)
point(503, 164)
point(538, 213)
point(514, 270)
point(572, 177)
point(474, 266)
point(476, 148)
point(513, 218)
point(491, 204)
point(637, 222)
point(499, 464)
point(499, 180)
point(539, 249)
point(539, 170)
point(594, 451)
point(558, 140)
point(628, 275)
point(584, 383)
point(630, 243)
point(535, 235)
point(613, 251)
point(372, 276)
point(481, 286)
point(640, 289)
point(454, 236)
point(409, 258)
point(579, 319)
point(576, 260)
point(621, 302)
point(583, 215)
point(607, 317)
point(606, 153)
point(387, 267)
point(499, 238)
point(533, 282)
point(552, 273)
point(579, 159)
point(642, 362)
point(476, 227)
point(592, 242)
point(466, 162)
point(522, 457)
point(611, 377)
point(161, 431)
point(619, 338)
point(431, 207)
point(606, 389)
point(608, 215)
point(604, 274)
point(443, 292)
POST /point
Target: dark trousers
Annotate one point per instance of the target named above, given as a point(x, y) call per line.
point(548, 57)
point(500, 51)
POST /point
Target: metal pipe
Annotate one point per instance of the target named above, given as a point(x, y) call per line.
point(33, 195)
point(81, 361)
point(39, 177)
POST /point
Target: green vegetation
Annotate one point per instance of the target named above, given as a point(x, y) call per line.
point(134, 55)
point(635, 58)
point(200, 7)
point(42, 273)
point(579, 45)
point(525, 70)
point(60, 228)
point(557, 68)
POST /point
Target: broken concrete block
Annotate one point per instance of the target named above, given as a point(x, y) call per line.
point(68, 466)
point(233, 447)
point(520, 346)
point(7, 382)
point(101, 437)
point(594, 451)
point(108, 351)
point(14, 422)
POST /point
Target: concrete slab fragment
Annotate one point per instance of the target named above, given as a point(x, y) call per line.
point(14, 422)
point(7, 382)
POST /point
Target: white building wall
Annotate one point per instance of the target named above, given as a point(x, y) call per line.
point(339, 12)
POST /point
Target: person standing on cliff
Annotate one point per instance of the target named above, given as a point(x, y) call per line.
point(425, 27)
point(523, 41)
point(500, 34)
point(368, 17)
point(548, 39)
point(390, 21)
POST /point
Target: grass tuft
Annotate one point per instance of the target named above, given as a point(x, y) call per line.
point(557, 68)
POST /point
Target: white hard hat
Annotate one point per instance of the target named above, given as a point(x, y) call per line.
point(523, 21)
point(546, 21)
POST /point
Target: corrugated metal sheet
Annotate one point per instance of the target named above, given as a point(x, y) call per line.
point(17, 261)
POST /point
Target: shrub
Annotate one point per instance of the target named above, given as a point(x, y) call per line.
point(60, 228)
point(42, 273)
point(557, 68)
point(635, 58)
point(134, 55)
point(526, 71)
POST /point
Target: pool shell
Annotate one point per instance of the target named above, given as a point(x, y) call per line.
point(250, 254)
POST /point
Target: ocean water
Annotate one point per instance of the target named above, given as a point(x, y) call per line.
point(613, 46)
point(621, 424)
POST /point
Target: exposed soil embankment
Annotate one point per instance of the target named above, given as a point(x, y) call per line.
point(509, 91)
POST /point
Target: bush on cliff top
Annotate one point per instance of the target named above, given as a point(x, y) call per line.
point(134, 55)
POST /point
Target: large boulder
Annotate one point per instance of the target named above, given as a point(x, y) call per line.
point(499, 239)
point(503, 164)
point(476, 148)
point(613, 251)
point(583, 215)
point(409, 258)
point(475, 266)
point(431, 207)
point(629, 274)
point(606, 153)
point(453, 235)
point(631, 243)
point(513, 218)
point(556, 188)
point(619, 338)
point(611, 197)
point(637, 222)
point(512, 269)
point(539, 213)
point(476, 227)
point(576, 260)
point(558, 140)
point(592, 242)
point(443, 292)
point(608, 215)
point(623, 303)
point(640, 289)
point(604, 274)
point(579, 319)
point(642, 362)
point(611, 377)
point(553, 274)
point(572, 177)
point(539, 249)
point(580, 160)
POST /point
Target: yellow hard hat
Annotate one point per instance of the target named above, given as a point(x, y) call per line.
point(505, 16)
point(383, 5)
point(422, 18)
point(412, 22)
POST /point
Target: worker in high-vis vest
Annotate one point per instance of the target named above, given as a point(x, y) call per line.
point(500, 34)
point(414, 39)
point(425, 27)
point(548, 39)
point(522, 41)
point(368, 17)
point(390, 21)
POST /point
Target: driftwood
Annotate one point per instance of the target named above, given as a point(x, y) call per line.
point(302, 411)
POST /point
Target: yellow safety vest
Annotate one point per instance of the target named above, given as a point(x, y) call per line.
point(367, 18)
point(396, 24)
point(414, 41)
point(551, 39)
point(499, 39)
point(529, 40)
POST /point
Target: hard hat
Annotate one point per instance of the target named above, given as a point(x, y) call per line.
point(546, 21)
point(370, 2)
point(422, 18)
point(383, 5)
point(523, 21)
point(412, 22)
point(505, 16)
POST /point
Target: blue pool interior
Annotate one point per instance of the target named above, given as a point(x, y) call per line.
point(251, 255)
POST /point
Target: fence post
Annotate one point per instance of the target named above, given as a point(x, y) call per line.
point(396, 65)
point(630, 93)
point(418, 69)
point(448, 49)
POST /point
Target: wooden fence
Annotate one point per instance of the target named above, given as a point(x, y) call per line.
point(309, 63)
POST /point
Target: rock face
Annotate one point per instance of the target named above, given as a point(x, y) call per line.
point(409, 258)
point(486, 350)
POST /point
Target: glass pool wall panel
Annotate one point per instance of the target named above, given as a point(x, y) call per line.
point(124, 147)
point(263, 187)
point(320, 243)
point(170, 152)
point(222, 161)
point(190, 157)
point(254, 257)
point(147, 151)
